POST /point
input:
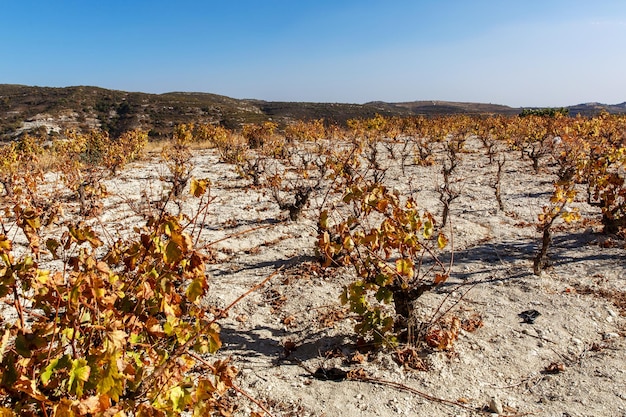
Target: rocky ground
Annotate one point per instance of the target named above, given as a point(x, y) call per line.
point(569, 362)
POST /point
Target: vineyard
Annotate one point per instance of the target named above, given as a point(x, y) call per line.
point(448, 265)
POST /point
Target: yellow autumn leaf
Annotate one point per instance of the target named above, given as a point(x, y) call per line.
point(215, 341)
point(348, 243)
point(111, 382)
point(196, 289)
point(323, 221)
point(95, 404)
point(43, 275)
point(570, 216)
point(405, 267)
point(442, 241)
point(173, 253)
point(178, 396)
point(428, 228)
point(117, 338)
point(198, 187)
point(5, 243)
point(6, 412)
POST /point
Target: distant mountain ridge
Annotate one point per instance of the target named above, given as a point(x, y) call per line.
point(24, 108)
point(593, 108)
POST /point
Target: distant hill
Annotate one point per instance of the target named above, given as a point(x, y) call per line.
point(588, 109)
point(446, 107)
point(25, 108)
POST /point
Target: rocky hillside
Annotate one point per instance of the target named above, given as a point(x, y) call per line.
point(25, 108)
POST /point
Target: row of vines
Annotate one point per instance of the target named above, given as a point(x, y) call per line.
point(96, 324)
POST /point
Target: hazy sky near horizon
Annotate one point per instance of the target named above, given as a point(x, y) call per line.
point(518, 53)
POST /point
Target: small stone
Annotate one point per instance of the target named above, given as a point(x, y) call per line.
point(388, 363)
point(495, 406)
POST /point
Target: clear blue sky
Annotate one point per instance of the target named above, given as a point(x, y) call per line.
point(514, 52)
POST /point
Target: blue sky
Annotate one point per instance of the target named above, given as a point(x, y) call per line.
point(518, 53)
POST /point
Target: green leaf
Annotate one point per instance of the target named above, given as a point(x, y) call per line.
point(54, 366)
point(79, 374)
point(47, 373)
point(384, 295)
point(383, 280)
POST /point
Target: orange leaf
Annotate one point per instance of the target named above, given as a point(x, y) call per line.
point(439, 278)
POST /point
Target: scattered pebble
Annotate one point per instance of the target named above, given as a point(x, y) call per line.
point(495, 406)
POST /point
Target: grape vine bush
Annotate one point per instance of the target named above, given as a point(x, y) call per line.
point(392, 247)
point(111, 332)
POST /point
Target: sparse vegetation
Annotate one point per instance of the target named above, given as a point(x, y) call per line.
point(98, 321)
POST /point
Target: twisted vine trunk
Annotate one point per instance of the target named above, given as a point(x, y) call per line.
point(541, 260)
